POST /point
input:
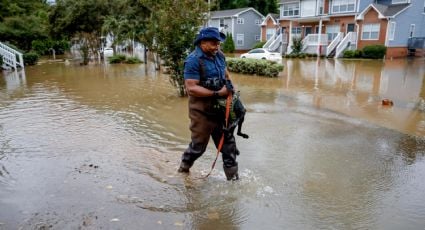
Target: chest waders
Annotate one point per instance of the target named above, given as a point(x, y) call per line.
point(207, 121)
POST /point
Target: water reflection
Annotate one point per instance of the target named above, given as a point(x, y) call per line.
point(307, 165)
point(356, 88)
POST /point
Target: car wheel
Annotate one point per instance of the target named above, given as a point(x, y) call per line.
point(243, 57)
point(263, 58)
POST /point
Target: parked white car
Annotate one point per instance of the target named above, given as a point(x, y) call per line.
point(261, 53)
point(108, 52)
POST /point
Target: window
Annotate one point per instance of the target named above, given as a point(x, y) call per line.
point(296, 31)
point(370, 31)
point(257, 37)
point(257, 22)
point(400, 1)
point(332, 31)
point(221, 22)
point(291, 9)
point(239, 39)
point(424, 6)
point(240, 21)
point(391, 31)
point(412, 30)
point(269, 33)
point(256, 51)
point(342, 6)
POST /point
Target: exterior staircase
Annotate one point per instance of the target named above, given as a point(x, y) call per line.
point(11, 57)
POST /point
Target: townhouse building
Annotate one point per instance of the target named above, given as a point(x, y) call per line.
point(329, 27)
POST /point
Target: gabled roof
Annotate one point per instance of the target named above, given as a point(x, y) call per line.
point(273, 17)
point(232, 12)
point(384, 11)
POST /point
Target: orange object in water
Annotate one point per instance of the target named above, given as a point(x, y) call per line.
point(387, 102)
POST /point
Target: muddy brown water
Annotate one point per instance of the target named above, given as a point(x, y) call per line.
point(97, 147)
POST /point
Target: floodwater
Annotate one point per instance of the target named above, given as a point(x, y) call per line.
point(98, 146)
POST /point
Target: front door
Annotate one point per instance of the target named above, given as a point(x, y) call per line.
point(350, 27)
point(307, 30)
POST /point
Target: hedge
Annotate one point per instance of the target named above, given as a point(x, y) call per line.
point(374, 51)
point(123, 59)
point(253, 66)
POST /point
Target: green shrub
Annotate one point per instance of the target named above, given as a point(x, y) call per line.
point(253, 66)
point(30, 58)
point(259, 45)
point(374, 51)
point(229, 45)
point(119, 58)
point(358, 53)
point(348, 54)
point(1, 61)
point(132, 60)
point(297, 45)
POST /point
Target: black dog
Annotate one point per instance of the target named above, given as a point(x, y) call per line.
point(237, 118)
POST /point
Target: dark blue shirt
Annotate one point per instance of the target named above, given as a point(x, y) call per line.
point(214, 66)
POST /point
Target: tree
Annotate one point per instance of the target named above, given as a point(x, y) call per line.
point(171, 32)
point(229, 45)
point(21, 22)
point(263, 6)
point(82, 21)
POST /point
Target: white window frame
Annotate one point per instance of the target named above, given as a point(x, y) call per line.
point(292, 9)
point(369, 29)
point(257, 22)
point(400, 1)
point(342, 6)
point(257, 37)
point(240, 39)
point(220, 22)
point(412, 31)
point(240, 21)
point(269, 33)
point(391, 31)
point(296, 32)
point(332, 31)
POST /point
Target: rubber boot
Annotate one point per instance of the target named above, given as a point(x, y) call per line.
point(184, 167)
point(231, 173)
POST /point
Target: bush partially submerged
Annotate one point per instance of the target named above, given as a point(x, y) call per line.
point(123, 59)
point(30, 58)
point(253, 66)
point(374, 51)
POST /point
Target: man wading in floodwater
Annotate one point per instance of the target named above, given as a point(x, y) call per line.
point(205, 77)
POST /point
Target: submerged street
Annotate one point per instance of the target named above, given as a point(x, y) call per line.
point(98, 146)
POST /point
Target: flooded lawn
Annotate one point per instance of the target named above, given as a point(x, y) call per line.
point(91, 147)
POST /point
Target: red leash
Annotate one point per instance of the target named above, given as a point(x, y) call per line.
point(220, 144)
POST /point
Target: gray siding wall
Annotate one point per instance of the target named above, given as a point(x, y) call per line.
point(249, 29)
point(364, 3)
point(413, 15)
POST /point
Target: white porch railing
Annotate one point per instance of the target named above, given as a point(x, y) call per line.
point(11, 57)
point(350, 38)
point(334, 43)
point(276, 43)
point(272, 39)
point(313, 40)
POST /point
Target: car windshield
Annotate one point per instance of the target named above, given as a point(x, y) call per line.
point(256, 51)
